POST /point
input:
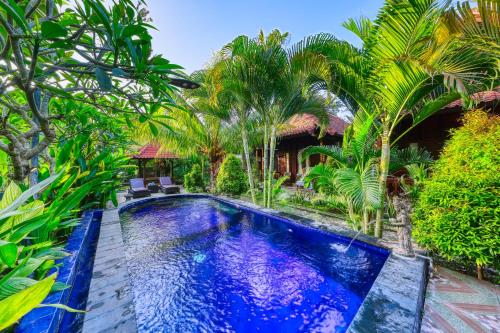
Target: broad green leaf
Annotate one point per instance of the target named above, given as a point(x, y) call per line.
point(101, 13)
point(153, 128)
point(65, 153)
point(16, 306)
point(114, 199)
point(8, 253)
point(17, 14)
point(103, 79)
point(15, 285)
point(28, 267)
point(164, 68)
point(7, 211)
point(58, 286)
point(53, 30)
point(12, 192)
point(131, 30)
point(25, 213)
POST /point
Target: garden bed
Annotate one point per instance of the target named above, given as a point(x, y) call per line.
point(75, 270)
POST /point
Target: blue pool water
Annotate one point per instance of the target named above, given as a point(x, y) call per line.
point(200, 265)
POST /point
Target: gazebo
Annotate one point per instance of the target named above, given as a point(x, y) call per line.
point(154, 163)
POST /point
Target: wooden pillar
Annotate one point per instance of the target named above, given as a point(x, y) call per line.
point(287, 161)
point(171, 169)
point(322, 158)
point(139, 165)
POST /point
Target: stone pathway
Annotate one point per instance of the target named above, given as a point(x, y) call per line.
point(110, 302)
point(458, 303)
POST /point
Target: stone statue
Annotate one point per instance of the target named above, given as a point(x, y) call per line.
point(403, 208)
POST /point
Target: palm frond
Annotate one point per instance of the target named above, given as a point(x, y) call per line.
point(334, 152)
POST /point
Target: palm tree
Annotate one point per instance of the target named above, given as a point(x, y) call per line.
point(274, 82)
point(411, 65)
point(351, 172)
point(196, 127)
point(235, 75)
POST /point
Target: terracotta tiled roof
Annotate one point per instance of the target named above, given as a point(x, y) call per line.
point(152, 151)
point(481, 97)
point(306, 123)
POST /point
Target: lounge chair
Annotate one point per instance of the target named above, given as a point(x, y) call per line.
point(167, 187)
point(300, 184)
point(137, 188)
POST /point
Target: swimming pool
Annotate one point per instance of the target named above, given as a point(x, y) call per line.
point(197, 264)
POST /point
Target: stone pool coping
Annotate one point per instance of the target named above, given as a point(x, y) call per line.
point(395, 300)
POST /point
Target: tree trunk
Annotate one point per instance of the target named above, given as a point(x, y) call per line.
point(266, 163)
point(244, 136)
point(20, 167)
point(479, 272)
point(366, 221)
point(384, 170)
point(271, 167)
point(34, 142)
point(212, 176)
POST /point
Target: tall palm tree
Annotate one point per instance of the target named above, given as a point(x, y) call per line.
point(411, 64)
point(236, 76)
point(274, 82)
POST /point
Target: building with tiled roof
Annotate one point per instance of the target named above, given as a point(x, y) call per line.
point(299, 132)
point(433, 132)
point(150, 151)
point(307, 123)
point(154, 162)
point(481, 98)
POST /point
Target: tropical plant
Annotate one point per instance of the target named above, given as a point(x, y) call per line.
point(278, 186)
point(350, 174)
point(232, 77)
point(231, 179)
point(273, 82)
point(456, 214)
point(110, 164)
point(193, 181)
point(413, 183)
point(195, 127)
point(29, 233)
point(84, 52)
point(413, 62)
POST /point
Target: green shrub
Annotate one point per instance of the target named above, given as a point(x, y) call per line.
point(231, 179)
point(193, 180)
point(457, 213)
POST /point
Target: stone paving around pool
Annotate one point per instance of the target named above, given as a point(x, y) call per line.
point(458, 303)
